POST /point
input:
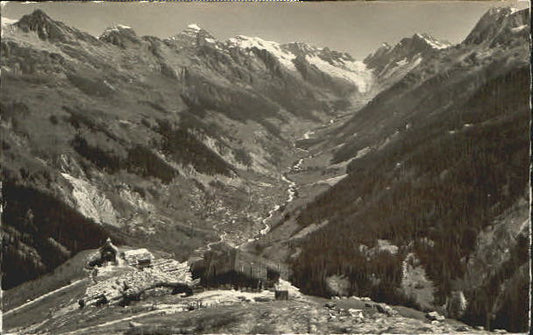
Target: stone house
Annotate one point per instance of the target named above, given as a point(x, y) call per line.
point(140, 258)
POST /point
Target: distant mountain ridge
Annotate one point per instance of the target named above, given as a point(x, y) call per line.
point(407, 48)
point(499, 26)
point(48, 29)
point(392, 63)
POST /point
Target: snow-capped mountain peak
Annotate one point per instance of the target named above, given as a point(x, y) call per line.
point(194, 29)
point(116, 28)
point(120, 35)
point(194, 26)
point(301, 48)
point(335, 64)
point(391, 63)
point(407, 51)
point(6, 24)
point(383, 49)
point(7, 21)
point(46, 28)
point(432, 42)
point(509, 21)
point(195, 35)
point(122, 26)
point(245, 42)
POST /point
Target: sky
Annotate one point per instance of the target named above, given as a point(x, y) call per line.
point(354, 27)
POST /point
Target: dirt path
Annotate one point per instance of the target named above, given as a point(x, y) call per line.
point(44, 296)
point(109, 323)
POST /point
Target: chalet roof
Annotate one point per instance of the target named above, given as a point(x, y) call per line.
point(109, 246)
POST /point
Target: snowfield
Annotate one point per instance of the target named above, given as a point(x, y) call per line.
point(434, 43)
point(245, 42)
point(355, 72)
point(194, 26)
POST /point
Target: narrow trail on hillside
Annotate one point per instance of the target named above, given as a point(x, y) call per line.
point(110, 323)
point(221, 238)
point(44, 296)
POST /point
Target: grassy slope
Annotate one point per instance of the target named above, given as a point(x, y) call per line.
point(70, 271)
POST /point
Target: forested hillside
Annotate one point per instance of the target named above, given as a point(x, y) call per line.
point(445, 158)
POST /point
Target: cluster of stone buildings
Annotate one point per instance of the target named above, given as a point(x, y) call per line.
point(120, 277)
point(123, 276)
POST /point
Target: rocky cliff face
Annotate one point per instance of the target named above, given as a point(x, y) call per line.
point(500, 26)
point(391, 64)
point(406, 49)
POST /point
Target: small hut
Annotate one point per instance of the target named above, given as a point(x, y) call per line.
point(108, 252)
point(281, 294)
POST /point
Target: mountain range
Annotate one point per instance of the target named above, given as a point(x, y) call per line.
point(411, 166)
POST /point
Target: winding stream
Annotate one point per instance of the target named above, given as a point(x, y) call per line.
point(291, 191)
point(222, 238)
point(292, 195)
